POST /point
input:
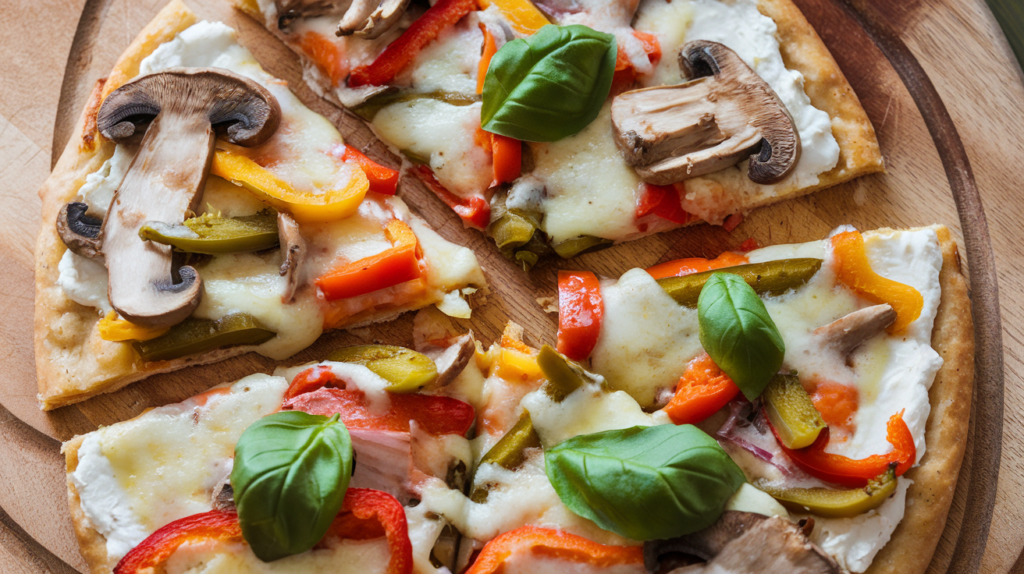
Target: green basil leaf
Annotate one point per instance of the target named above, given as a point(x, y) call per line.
point(738, 334)
point(550, 85)
point(645, 483)
point(289, 478)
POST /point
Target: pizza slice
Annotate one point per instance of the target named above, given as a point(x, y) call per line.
point(622, 119)
point(232, 480)
point(201, 211)
point(796, 408)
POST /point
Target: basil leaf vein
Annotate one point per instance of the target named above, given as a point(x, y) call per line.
point(289, 478)
point(644, 483)
point(738, 334)
point(550, 85)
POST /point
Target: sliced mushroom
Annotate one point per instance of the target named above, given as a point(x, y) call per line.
point(184, 107)
point(847, 333)
point(294, 248)
point(223, 495)
point(704, 544)
point(453, 359)
point(290, 10)
point(724, 114)
point(80, 231)
point(756, 546)
point(384, 18)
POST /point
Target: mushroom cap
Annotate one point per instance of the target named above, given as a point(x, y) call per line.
point(239, 109)
point(79, 231)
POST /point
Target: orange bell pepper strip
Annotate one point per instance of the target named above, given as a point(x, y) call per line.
point(474, 211)
point(326, 55)
point(690, 265)
point(383, 180)
point(853, 472)
point(854, 270)
point(651, 45)
point(548, 543)
point(702, 391)
point(507, 158)
point(663, 201)
point(365, 514)
point(522, 15)
point(392, 266)
point(317, 391)
point(580, 310)
point(331, 205)
point(402, 51)
point(489, 50)
point(625, 73)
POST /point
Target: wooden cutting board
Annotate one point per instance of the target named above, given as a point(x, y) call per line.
point(957, 45)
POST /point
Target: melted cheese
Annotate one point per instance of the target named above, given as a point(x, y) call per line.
point(136, 476)
point(98, 190)
point(337, 557)
point(590, 189)
point(740, 26)
point(586, 411)
point(443, 133)
point(84, 281)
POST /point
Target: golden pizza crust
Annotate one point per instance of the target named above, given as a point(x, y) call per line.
point(912, 545)
point(91, 544)
point(72, 362)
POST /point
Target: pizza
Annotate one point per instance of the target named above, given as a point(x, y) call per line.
point(517, 459)
point(546, 126)
point(202, 211)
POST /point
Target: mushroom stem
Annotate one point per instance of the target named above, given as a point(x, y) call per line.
point(847, 333)
point(356, 16)
point(294, 248)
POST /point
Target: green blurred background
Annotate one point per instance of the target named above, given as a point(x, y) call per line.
point(1010, 14)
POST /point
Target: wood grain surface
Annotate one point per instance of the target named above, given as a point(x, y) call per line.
point(49, 68)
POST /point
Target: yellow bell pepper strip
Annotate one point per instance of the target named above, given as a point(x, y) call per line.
point(524, 17)
point(392, 266)
point(331, 205)
point(118, 330)
point(534, 540)
point(402, 51)
point(854, 270)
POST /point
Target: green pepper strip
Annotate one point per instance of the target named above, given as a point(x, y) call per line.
point(771, 277)
point(193, 336)
point(405, 370)
point(213, 235)
point(832, 503)
point(564, 376)
point(791, 411)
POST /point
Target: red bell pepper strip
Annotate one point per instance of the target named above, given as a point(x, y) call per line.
point(507, 158)
point(365, 514)
point(750, 244)
point(436, 415)
point(663, 201)
point(625, 73)
point(580, 309)
point(702, 391)
point(383, 180)
point(548, 543)
point(474, 211)
point(402, 51)
point(392, 266)
point(651, 45)
point(489, 50)
point(690, 265)
point(853, 472)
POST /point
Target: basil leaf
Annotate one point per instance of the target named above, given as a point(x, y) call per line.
point(645, 483)
point(550, 85)
point(290, 475)
point(738, 334)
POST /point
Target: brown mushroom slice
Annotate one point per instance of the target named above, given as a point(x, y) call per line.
point(384, 18)
point(747, 543)
point(165, 180)
point(80, 231)
point(355, 18)
point(848, 332)
point(293, 246)
point(452, 360)
point(724, 114)
point(290, 10)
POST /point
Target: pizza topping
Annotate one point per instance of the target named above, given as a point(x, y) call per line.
point(167, 175)
point(691, 265)
point(371, 18)
point(564, 375)
point(453, 359)
point(212, 234)
point(194, 335)
point(522, 15)
point(294, 248)
point(702, 391)
point(791, 412)
point(679, 479)
point(833, 503)
point(79, 231)
point(848, 332)
point(580, 309)
point(474, 210)
point(744, 543)
point(289, 477)
point(405, 370)
point(290, 10)
point(550, 85)
point(398, 264)
point(770, 277)
point(112, 328)
point(383, 180)
point(724, 114)
point(533, 541)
